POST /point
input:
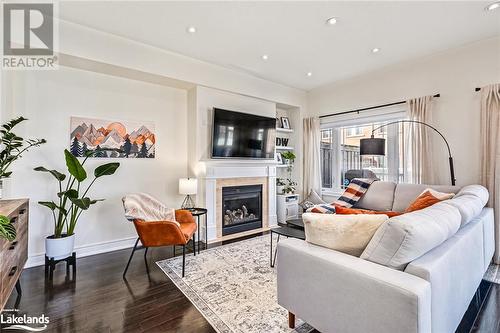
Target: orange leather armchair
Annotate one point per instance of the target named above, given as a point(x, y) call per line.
point(164, 233)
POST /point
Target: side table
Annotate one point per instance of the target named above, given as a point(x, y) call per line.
point(200, 212)
point(294, 230)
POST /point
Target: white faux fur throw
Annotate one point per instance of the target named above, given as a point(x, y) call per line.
point(142, 206)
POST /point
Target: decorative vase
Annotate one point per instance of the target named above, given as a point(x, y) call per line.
point(59, 248)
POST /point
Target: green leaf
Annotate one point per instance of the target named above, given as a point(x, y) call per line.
point(92, 202)
point(50, 204)
point(6, 174)
point(75, 168)
point(7, 230)
point(83, 203)
point(11, 124)
point(59, 176)
point(106, 169)
point(71, 193)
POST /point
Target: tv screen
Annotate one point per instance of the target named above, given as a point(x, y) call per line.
point(242, 135)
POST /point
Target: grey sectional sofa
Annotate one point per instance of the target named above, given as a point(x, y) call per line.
point(419, 272)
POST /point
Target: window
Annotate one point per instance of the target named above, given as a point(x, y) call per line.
point(340, 159)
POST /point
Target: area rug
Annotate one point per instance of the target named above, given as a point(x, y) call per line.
point(233, 287)
point(493, 274)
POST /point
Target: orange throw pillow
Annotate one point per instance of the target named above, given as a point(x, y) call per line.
point(424, 200)
point(352, 211)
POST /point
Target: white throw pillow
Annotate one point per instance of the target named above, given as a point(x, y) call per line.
point(345, 233)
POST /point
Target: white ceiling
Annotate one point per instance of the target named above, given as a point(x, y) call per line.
point(294, 34)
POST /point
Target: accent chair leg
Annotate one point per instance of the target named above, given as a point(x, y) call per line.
point(130, 258)
point(183, 259)
point(194, 244)
point(291, 320)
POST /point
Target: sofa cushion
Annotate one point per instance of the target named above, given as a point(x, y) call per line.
point(405, 194)
point(428, 198)
point(312, 199)
point(379, 196)
point(469, 201)
point(345, 233)
point(404, 238)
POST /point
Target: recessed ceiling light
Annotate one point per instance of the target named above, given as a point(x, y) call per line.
point(309, 74)
point(331, 21)
point(265, 57)
point(191, 30)
point(375, 50)
point(493, 6)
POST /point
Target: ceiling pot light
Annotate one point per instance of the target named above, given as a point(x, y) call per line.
point(265, 57)
point(375, 50)
point(493, 6)
point(191, 30)
point(331, 21)
point(309, 74)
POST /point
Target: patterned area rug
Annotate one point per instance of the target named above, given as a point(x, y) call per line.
point(493, 274)
point(233, 287)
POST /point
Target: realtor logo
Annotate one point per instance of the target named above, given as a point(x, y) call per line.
point(28, 36)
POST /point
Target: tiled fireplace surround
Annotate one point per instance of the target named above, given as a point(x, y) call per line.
point(219, 176)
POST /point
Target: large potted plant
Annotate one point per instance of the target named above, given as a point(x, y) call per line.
point(12, 147)
point(72, 200)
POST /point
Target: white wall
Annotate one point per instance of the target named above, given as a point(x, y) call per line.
point(454, 74)
point(48, 99)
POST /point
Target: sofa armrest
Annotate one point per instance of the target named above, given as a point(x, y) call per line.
point(336, 292)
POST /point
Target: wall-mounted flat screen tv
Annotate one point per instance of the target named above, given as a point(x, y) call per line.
point(242, 135)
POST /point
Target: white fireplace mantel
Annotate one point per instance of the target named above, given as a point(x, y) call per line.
point(220, 170)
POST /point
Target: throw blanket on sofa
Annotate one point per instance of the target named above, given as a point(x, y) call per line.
point(142, 206)
point(354, 191)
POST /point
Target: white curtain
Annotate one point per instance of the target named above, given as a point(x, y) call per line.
point(312, 158)
point(490, 153)
point(418, 146)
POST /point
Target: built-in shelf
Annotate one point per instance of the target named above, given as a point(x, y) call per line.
point(282, 166)
point(284, 130)
point(284, 148)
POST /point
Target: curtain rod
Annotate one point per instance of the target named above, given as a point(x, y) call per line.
point(368, 108)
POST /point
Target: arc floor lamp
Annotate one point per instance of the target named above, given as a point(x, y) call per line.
point(376, 146)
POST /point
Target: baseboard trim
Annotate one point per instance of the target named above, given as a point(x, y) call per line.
point(87, 250)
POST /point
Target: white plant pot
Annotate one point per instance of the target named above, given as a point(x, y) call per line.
point(59, 248)
point(279, 189)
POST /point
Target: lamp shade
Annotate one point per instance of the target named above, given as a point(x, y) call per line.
point(188, 186)
point(372, 146)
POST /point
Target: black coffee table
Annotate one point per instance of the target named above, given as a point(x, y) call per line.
point(293, 228)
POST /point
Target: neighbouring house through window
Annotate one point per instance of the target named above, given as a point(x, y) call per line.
point(340, 140)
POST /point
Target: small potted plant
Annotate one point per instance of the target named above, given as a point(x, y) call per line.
point(290, 187)
point(72, 200)
point(12, 147)
point(280, 185)
point(7, 230)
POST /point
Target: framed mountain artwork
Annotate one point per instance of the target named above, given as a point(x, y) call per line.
point(120, 139)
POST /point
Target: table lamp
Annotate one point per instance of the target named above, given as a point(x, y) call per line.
point(188, 187)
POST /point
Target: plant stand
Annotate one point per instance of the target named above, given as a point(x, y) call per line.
point(50, 265)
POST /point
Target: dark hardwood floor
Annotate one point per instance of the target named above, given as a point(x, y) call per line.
point(99, 300)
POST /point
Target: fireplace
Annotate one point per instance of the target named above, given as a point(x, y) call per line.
point(241, 208)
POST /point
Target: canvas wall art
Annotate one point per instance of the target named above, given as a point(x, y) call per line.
point(125, 139)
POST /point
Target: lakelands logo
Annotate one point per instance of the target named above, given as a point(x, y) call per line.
point(29, 37)
point(11, 321)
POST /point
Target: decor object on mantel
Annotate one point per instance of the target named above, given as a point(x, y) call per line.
point(72, 201)
point(376, 146)
point(12, 147)
point(188, 187)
